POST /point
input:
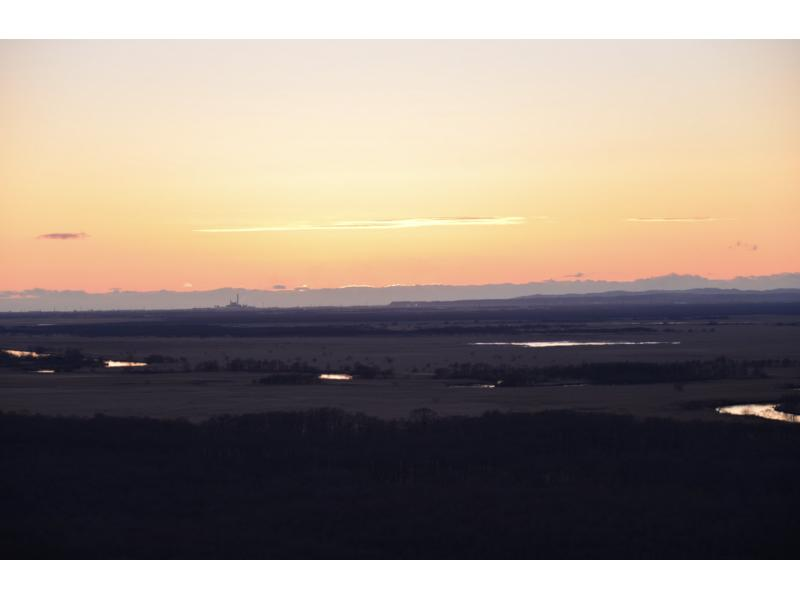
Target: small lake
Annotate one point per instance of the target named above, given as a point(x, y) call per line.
point(760, 410)
point(339, 377)
point(551, 344)
point(124, 364)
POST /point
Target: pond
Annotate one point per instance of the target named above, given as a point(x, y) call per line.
point(19, 353)
point(124, 364)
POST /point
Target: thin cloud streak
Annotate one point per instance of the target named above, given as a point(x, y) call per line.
point(673, 220)
point(375, 224)
point(63, 236)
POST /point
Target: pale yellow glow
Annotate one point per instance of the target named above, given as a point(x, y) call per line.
point(616, 159)
point(671, 220)
point(374, 225)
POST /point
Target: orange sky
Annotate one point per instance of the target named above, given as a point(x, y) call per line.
point(395, 162)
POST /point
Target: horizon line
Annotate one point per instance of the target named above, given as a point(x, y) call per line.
point(304, 289)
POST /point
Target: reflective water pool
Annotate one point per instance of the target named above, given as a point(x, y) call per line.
point(124, 364)
point(549, 344)
point(19, 353)
point(335, 377)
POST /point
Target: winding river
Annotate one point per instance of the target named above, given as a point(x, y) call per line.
point(766, 411)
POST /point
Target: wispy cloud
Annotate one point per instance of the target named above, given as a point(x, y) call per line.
point(63, 236)
point(375, 224)
point(575, 275)
point(673, 220)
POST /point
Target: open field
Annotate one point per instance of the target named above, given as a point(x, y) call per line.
point(198, 396)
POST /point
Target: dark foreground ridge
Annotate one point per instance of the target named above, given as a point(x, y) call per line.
point(338, 485)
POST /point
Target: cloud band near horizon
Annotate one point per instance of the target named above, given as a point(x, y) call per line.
point(376, 224)
point(673, 220)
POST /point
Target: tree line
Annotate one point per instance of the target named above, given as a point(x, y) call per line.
point(330, 484)
point(615, 372)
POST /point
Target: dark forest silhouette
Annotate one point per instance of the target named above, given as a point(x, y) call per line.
point(337, 485)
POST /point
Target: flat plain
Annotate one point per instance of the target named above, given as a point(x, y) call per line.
point(194, 373)
point(594, 434)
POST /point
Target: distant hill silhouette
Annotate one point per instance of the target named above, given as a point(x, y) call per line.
point(709, 296)
point(43, 299)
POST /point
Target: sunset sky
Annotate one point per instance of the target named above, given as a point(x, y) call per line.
point(197, 165)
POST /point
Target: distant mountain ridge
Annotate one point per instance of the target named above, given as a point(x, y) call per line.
point(48, 300)
point(702, 296)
